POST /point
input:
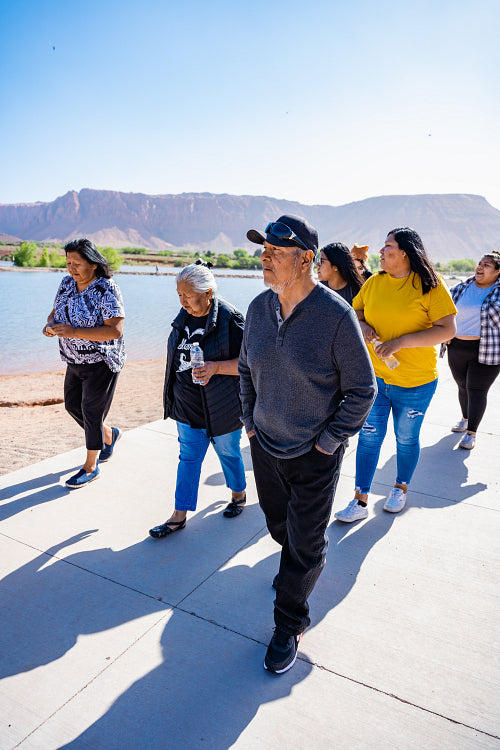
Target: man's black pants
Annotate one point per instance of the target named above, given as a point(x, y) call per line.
point(88, 393)
point(296, 495)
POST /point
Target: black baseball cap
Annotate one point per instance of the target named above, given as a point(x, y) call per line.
point(287, 231)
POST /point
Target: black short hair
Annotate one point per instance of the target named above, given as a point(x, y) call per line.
point(90, 253)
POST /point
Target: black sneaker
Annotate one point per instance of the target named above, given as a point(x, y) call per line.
point(281, 652)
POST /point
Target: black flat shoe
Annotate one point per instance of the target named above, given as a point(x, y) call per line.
point(164, 529)
point(235, 507)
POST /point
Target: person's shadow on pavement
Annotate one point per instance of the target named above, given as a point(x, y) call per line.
point(349, 544)
point(49, 488)
point(206, 691)
point(441, 477)
point(211, 680)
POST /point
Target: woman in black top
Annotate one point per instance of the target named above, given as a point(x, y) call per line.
point(209, 410)
point(336, 269)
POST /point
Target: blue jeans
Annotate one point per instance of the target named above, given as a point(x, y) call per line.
point(193, 447)
point(408, 410)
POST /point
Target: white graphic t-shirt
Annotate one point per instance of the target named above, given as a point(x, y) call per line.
point(188, 404)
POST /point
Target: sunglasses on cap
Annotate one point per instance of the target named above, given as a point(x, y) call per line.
point(278, 229)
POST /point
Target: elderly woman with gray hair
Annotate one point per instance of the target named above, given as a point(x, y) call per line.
point(208, 410)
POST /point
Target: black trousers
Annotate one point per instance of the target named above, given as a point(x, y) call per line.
point(88, 393)
point(472, 377)
point(296, 495)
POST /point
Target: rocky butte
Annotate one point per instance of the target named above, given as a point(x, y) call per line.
point(452, 226)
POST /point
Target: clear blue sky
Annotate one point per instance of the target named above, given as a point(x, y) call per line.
point(320, 101)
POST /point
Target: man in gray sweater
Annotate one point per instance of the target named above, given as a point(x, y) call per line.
point(307, 385)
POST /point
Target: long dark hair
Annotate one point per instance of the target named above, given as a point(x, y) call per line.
point(90, 253)
point(410, 242)
point(340, 256)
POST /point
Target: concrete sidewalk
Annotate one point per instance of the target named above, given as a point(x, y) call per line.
point(111, 639)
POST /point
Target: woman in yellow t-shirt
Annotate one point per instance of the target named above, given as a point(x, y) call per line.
point(406, 309)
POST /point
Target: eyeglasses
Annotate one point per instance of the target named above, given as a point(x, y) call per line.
point(278, 229)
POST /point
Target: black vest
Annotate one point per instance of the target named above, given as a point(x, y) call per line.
point(221, 395)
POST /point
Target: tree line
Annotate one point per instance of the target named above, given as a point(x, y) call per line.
point(37, 255)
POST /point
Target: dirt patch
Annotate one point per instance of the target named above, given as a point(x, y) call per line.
point(35, 425)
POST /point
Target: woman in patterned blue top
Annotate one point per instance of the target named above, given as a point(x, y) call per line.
point(88, 319)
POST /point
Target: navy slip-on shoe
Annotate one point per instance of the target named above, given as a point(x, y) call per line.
point(82, 479)
point(107, 451)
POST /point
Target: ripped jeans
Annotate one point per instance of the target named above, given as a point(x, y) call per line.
point(408, 410)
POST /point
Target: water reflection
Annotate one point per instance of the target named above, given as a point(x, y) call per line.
point(151, 303)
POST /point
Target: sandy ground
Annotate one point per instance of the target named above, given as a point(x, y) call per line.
point(34, 424)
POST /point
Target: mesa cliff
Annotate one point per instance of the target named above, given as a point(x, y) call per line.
point(452, 226)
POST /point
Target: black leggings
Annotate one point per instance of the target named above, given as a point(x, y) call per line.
point(473, 379)
point(88, 392)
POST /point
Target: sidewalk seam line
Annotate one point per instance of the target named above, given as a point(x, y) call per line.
point(222, 627)
point(397, 698)
point(95, 677)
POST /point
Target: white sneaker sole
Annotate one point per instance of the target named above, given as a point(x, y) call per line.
point(288, 666)
point(349, 520)
point(81, 486)
point(395, 510)
point(281, 671)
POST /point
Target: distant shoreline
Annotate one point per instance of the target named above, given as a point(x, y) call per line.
point(173, 272)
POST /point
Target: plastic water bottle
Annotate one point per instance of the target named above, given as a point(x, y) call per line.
point(196, 361)
point(392, 362)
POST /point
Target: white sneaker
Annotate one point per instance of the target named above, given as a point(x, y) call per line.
point(460, 426)
point(353, 512)
point(396, 500)
point(468, 442)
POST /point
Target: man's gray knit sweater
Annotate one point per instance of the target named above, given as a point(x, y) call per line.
point(308, 381)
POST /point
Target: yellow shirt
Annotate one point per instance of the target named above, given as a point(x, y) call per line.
point(393, 307)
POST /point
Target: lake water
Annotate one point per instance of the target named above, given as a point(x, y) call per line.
point(151, 303)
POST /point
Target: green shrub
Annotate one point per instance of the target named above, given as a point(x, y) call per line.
point(56, 260)
point(112, 256)
point(466, 265)
point(44, 261)
point(26, 255)
point(239, 253)
point(223, 261)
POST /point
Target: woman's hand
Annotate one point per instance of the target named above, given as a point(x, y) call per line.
point(63, 330)
point(383, 351)
point(48, 331)
point(250, 434)
point(367, 331)
point(205, 372)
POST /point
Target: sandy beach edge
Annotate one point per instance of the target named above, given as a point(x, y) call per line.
point(35, 424)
